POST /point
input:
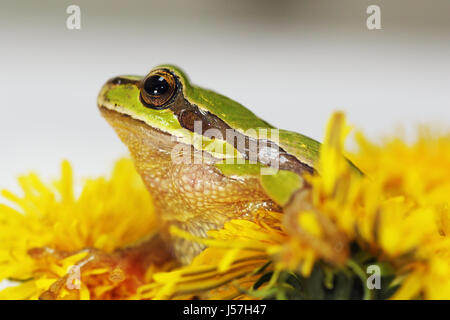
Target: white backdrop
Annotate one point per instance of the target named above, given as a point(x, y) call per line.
point(291, 62)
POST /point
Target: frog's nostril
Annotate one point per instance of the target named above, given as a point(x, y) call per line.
point(115, 80)
point(121, 80)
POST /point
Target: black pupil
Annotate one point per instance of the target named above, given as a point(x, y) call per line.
point(156, 85)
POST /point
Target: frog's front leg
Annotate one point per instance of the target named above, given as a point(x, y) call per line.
point(125, 264)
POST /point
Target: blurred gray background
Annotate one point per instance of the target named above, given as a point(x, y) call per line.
point(291, 62)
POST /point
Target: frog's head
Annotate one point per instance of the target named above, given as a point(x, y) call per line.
point(165, 102)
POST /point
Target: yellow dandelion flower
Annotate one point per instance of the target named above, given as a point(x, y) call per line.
point(108, 214)
point(225, 269)
point(398, 211)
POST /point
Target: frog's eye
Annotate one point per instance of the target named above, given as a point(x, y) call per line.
point(157, 89)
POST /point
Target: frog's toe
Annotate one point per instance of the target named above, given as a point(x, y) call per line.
point(70, 283)
point(125, 267)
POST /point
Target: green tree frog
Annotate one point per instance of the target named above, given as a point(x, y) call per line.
point(204, 158)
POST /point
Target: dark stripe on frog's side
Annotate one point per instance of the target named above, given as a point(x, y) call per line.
point(187, 113)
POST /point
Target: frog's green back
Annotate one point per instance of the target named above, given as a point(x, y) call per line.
point(242, 119)
point(302, 147)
